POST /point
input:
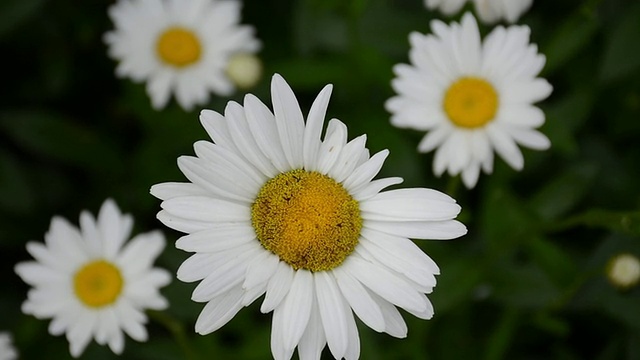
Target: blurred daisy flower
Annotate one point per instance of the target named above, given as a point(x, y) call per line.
point(91, 283)
point(447, 7)
point(7, 351)
point(623, 271)
point(179, 46)
point(272, 209)
point(471, 97)
point(491, 11)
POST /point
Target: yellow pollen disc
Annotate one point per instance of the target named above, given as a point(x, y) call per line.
point(471, 102)
point(308, 219)
point(178, 47)
point(98, 283)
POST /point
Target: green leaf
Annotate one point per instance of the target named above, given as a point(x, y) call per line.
point(622, 53)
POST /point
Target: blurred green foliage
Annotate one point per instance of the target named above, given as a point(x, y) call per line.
point(527, 282)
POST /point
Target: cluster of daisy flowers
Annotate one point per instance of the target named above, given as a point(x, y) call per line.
point(279, 206)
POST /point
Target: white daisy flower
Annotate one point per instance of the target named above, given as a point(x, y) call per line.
point(91, 283)
point(471, 97)
point(447, 7)
point(7, 351)
point(491, 11)
point(178, 46)
point(272, 209)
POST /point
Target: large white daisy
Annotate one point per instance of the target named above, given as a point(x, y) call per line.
point(491, 11)
point(272, 209)
point(7, 351)
point(178, 46)
point(91, 283)
point(471, 97)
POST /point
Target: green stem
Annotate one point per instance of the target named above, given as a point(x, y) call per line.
point(176, 329)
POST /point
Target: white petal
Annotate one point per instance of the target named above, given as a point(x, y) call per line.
point(410, 205)
point(170, 190)
point(505, 147)
point(226, 276)
point(364, 173)
point(263, 128)
point(434, 230)
point(296, 308)
point(206, 209)
point(313, 339)
point(278, 287)
point(289, 120)
point(333, 314)
point(360, 301)
point(375, 186)
point(394, 324)
point(313, 128)
point(384, 283)
point(219, 311)
point(329, 152)
point(217, 238)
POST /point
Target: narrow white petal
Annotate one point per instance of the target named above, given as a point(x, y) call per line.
point(224, 277)
point(261, 269)
point(216, 126)
point(364, 173)
point(375, 186)
point(384, 283)
point(333, 313)
point(278, 348)
point(181, 224)
point(219, 311)
point(348, 159)
point(289, 120)
point(506, 147)
point(206, 209)
point(410, 205)
point(394, 324)
point(296, 308)
point(329, 152)
point(170, 190)
point(313, 128)
point(263, 128)
point(241, 133)
point(278, 287)
point(217, 238)
point(358, 298)
point(402, 247)
point(434, 230)
point(313, 340)
point(114, 227)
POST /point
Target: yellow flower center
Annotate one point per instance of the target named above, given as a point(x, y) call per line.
point(178, 47)
point(308, 219)
point(98, 283)
point(471, 102)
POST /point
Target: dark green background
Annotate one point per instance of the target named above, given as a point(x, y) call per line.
point(528, 280)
